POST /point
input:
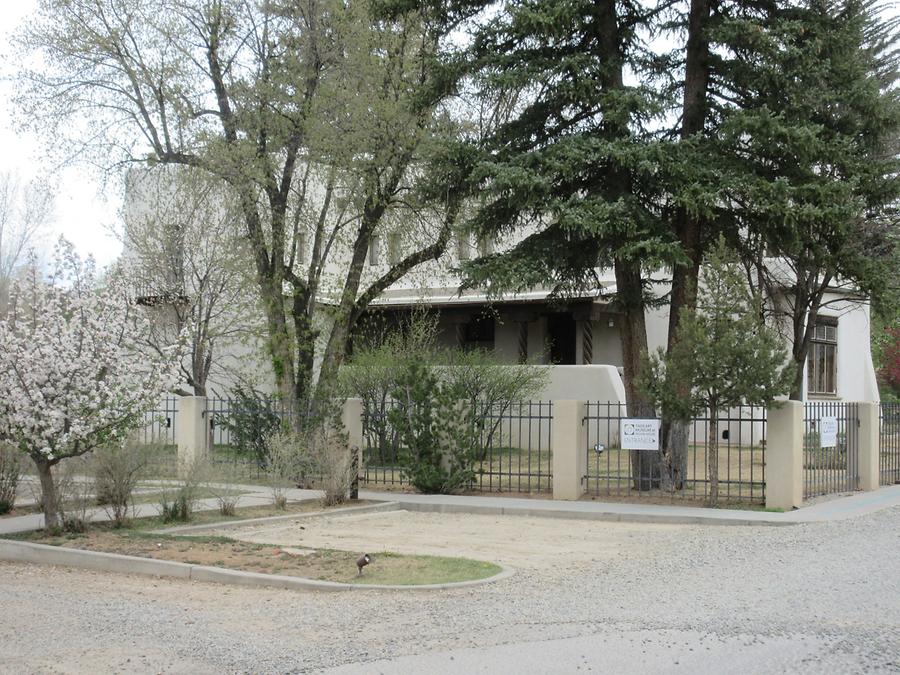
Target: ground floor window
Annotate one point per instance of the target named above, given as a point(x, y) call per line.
point(821, 362)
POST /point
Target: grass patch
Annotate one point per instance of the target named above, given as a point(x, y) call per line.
point(323, 564)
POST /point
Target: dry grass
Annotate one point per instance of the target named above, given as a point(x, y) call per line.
point(323, 564)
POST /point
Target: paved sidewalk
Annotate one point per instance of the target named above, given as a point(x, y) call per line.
point(255, 496)
point(837, 508)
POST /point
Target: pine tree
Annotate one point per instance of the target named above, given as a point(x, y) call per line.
point(725, 355)
point(809, 124)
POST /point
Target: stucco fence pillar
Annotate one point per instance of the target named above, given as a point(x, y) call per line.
point(352, 420)
point(784, 456)
point(568, 443)
point(869, 445)
point(191, 432)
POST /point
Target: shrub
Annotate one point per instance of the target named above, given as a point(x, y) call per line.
point(73, 493)
point(223, 490)
point(332, 461)
point(476, 376)
point(439, 437)
point(116, 475)
point(287, 463)
point(178, 504)
point(251, 421)
point(10, 471)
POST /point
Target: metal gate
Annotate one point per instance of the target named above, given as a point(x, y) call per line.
point(830, 448)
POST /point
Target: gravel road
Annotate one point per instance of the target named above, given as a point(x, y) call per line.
point(810, 598)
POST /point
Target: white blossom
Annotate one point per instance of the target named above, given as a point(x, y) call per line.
point(71, 375)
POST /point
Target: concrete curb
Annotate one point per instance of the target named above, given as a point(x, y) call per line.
point(42, 554)
point(250, 522)
point(608, 516)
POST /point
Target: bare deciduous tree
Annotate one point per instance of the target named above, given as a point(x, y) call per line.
point(262, 97)
point(25, 208)
point(188, 263)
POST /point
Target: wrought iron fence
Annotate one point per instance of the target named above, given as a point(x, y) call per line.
point(240, 463)
point(512, 447)
point(381, 447)
point(889, 437)
point(830, 448)
point(681, 473)
point(158, 427)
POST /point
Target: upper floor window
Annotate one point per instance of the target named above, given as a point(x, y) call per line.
point(395, 248)
point(375, 251)
point(485, 246)
point(821, 362)
point(463, 247)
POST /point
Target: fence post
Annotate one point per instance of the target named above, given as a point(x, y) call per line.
point(191, 432)
point(784, 456)
point(869, 445)
point(568, 449)
point(351, 418)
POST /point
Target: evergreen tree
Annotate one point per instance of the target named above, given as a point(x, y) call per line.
point(808, 129)
point(725, 355)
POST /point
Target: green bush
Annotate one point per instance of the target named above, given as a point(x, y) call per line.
point(251, 421)
point(438, 436)
point(178, 504)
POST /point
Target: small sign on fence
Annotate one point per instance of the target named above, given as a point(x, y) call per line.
point(640, 434)
point(828, 432)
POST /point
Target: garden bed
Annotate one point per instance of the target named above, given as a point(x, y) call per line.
point(322, 564)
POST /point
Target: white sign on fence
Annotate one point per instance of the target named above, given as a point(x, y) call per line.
point(828, 432)
point(639, 434)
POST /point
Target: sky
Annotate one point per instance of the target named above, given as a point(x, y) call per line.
point(82, 214)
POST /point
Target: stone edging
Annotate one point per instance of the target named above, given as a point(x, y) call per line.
point(42, 554)
point(250, 522)
point(608, 516)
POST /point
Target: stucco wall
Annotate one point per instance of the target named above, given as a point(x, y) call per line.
point(855, 370)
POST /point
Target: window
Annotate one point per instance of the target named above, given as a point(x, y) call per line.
point(395, 249)
point(374, 251)
point(821, 362)
point(479, 334)
point(485, 246)
point(463, 247)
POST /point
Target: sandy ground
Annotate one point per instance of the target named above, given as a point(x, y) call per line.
point(520, 542)
point(601, 597)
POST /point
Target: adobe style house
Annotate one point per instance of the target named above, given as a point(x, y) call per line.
point(536, 328)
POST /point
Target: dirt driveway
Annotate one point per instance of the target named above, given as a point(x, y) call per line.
point(518, 541)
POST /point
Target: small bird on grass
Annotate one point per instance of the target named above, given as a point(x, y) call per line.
point(364, 560)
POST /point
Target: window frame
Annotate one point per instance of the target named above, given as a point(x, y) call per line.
point(822, 358)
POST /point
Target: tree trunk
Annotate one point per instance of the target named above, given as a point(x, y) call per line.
point(49, 496)
point(633, 337)
point(688, 228)
point(712, 455)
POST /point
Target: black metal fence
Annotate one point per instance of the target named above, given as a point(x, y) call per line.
point(682, 473)
point(224, 451)
point(889, 436)
point(830, 448)
point(512, 448)
point(159, 425)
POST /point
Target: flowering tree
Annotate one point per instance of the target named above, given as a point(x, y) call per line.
point(71, 377)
